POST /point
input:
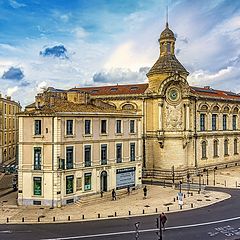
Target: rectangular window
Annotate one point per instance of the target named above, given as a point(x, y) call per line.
point(224, 122)
point(37, 127)
point(119, 152)
point(69, 157)
point(214, 122)
point(234, 122)
point(69, 184)
point(69, 127)
point(87, 155)
point(132, 152)
point(202, 122)
point(103, 126)
point(37, 186)
point(37, 158)
point(87, 126)
point(132, 126)
point(87, 181)
point(103, 154)
point(119, 126)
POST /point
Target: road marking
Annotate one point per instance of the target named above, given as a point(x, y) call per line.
point(144, 230)
point(6, 231)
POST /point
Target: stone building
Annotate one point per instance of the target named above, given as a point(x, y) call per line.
point(8, 129)
point(71, 145)
point(185, 129)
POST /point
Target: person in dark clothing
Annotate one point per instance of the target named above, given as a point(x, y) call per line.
point(163, 220)
point(128, 190)
point(114, 195)
point(145, 192)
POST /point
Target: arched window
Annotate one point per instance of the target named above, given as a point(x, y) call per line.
point(128, 107)
point(168, 47)
point(215, 148)
point(204, 149)
point(235, 146)
point(202, 122)
point(214, 122)
point(224, 121)
point(226, 147)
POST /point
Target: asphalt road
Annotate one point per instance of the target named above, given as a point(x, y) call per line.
point(220, 221)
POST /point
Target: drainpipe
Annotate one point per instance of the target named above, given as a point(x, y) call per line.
point(52, 161)
point(195, 132)
point(144, 132)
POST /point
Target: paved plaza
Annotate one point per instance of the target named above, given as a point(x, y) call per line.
point(93, 207)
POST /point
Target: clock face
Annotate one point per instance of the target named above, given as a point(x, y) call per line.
point(173, 94)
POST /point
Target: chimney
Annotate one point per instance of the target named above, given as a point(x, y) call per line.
point(9, 98)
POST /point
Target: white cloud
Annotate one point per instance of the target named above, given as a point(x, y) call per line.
point(16, 4)
point(80, 32)
point(42, 86)
point(12, 90)
point(120, 75)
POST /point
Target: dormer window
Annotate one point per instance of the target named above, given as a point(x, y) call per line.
point(114, 89)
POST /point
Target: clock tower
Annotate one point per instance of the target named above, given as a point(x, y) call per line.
point(167, 111)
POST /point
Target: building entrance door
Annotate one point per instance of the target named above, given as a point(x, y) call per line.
point(104, 181)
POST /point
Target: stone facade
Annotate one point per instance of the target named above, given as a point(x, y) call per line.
point(174, 143)
point(8, 129)
point(71, 145)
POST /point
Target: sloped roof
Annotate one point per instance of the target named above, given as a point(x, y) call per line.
point(167, 64)
point(115, 89)
point(213, 93)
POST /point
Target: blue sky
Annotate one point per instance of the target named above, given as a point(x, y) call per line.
point(64, 43)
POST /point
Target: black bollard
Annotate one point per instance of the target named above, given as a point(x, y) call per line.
point(129, 212)
point(82, 216)
point(143, 211)
point(168, 209)
point(54, 219)
point(22, 219)
point(7, 220)
point(156, 210)
point(98, 215)
point(115, 214)
point(69, 218)
point(191, 205)
point(38, 219)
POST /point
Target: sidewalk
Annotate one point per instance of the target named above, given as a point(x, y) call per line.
point(159, 199)
point(94, 207)
point(227, 177)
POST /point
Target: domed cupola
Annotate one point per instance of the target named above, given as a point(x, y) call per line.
point(167, 34)
point(167, 63)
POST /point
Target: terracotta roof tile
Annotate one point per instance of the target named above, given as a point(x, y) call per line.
point(115, 89)
point(209, 92)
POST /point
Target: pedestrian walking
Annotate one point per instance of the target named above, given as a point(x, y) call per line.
point(114, 195)
point(101, 193)
point(163, 220)
point(145, 192)
point(128, 190)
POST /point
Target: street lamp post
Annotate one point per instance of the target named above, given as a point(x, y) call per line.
point(199, 184)
point(188, 178)
point(180, 186)
point(214, 172)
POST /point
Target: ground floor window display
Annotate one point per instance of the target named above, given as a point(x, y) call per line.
point(69, 184)
point(87, 181)
point(125, 177)
point(37, 186)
